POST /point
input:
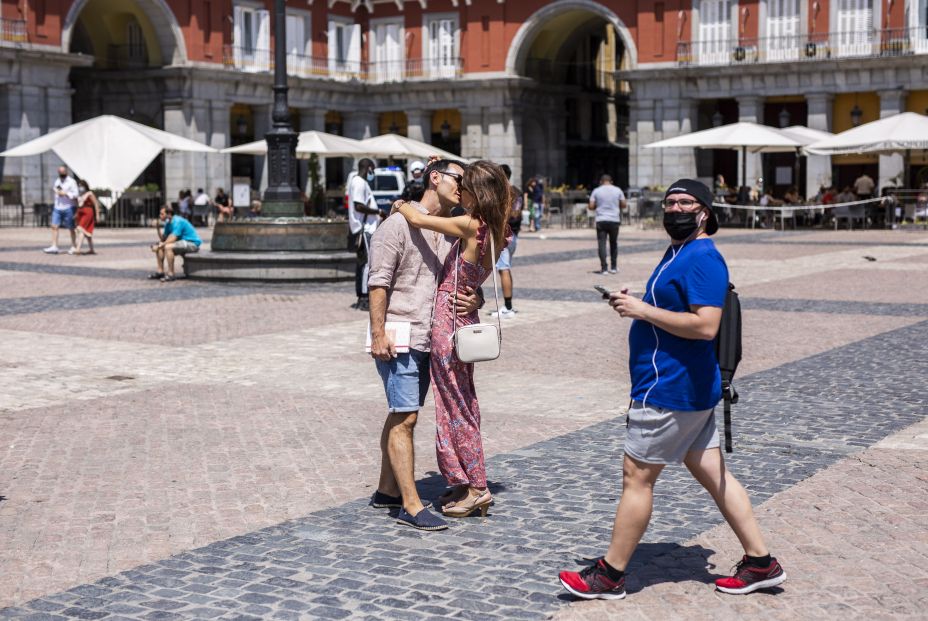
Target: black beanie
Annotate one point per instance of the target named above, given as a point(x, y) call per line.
point(703, 196)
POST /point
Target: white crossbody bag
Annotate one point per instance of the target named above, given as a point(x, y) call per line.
point(480, 341)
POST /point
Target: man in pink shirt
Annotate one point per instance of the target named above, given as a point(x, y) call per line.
point(405, 268)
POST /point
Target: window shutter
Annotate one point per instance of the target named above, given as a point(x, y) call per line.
point(237, 36)
point(263, 40)
point(354, 47)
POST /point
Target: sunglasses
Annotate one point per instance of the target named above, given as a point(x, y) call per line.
point(456, 176)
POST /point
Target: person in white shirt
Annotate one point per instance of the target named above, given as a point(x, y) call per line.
point(65, 189)
point(607, 201)
point(363, 218)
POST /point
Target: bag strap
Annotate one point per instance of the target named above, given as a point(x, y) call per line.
point(457, 266)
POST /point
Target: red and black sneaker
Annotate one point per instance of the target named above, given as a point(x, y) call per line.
point(593, 582)
point(748, 578)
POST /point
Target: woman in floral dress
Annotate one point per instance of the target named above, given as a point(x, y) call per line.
point(486, 197)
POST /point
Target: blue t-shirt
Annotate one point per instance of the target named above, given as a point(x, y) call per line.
point(181, 229)
point(687, 377)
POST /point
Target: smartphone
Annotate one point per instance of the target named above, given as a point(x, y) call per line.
point(602, 290)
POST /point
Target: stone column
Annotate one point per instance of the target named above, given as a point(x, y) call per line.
point(219, 171)
point(892, 166)
point(678, 116)
point(178, 170)
point(262, 125)
point(420, 125)
point(750, 109)
point(643, 163)
point(818, 167)
point(360, 125)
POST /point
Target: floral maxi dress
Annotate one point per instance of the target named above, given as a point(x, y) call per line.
point(457, 412)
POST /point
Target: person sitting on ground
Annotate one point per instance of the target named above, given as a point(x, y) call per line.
point(178, 238)
point(224, 209)
point(88, 213)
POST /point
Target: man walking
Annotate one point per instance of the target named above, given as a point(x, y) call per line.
point(504, 264)
point(363, 218)
point(676, 384)
point(607, 201)
point(405, 268)
point(66, 193)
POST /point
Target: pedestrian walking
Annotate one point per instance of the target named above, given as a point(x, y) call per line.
point(66, 193)
point(608, 202)
point(486, 196)
point(363, 218)
point(87, 215)
point(676, 384)
point(504, 265)
point(535, 190)
point(405, 268)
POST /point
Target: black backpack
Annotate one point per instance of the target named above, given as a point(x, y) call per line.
point(728, 353)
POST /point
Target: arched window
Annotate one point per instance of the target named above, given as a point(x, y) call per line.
point(136, 52)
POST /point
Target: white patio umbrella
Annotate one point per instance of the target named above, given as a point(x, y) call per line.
point(899, 133)
point(108, 151)
point(806, 136)
point(320, 143)
point(743, 136)
point(394, 145)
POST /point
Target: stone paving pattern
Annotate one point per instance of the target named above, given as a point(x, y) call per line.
point(217, 466)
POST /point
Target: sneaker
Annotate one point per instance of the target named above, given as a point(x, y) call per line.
point(364, 304)
point(593, 582)
point(382, 501)
point(600, 272)
point(51, 250)
point(504, 312)
point(613, 271)
point(424, 520)
point(72, 251)
point(748, 578)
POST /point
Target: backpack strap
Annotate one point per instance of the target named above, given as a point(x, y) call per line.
point(729, 396)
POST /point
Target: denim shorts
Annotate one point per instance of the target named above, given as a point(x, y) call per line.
point(505, 257)
point(660, 436)
point(405, 381)
point(63, 218)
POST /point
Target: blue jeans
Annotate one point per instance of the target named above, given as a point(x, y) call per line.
point(405, 381)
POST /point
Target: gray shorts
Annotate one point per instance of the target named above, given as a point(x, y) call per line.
point(659, 436)
point(184, 247)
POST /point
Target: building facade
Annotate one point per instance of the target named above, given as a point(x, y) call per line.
point(568, 89)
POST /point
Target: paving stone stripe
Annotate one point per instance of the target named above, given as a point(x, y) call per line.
point(838, 307)
point(99, 244)
point(556, 502)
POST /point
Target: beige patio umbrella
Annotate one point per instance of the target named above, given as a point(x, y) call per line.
point(394, 145)
point(108, 151)
point(743, 136)
point(320, 143)
point(900, 133)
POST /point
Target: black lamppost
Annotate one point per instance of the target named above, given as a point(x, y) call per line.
point(282, 197)
point(857, 115)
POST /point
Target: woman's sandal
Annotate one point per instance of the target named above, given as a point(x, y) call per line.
point(463, 508)
point(452, 496)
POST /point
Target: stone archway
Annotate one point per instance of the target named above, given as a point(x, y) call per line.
point(525, 36)
point(167, 30)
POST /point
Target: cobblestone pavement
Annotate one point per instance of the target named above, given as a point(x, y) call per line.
point(205, 451)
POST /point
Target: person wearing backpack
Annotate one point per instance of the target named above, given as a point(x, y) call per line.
point(676, 384)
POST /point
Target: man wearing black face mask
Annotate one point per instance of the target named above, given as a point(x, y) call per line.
point(675, 386)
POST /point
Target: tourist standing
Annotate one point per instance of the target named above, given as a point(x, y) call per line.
point(66, 193)
point(676, 384)
point(88, 213)
point(405, 267)
point(486, 197)
point(607, 201)
point(504, 265)
point(363, 218)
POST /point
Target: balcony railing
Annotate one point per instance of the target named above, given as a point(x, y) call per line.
point(807, 47)
point(13, 31)
point(262, 61)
